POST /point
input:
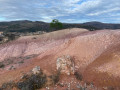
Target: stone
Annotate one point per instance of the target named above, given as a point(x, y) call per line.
point(78, 86)
point(85, 85)
point(47, 88)
point(65, 64)
point(91, 85)
point(36, 70)
point(25, 76)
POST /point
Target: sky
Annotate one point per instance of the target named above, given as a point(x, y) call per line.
point(67, 11)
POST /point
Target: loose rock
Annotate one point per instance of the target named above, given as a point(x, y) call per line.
point(36, 70)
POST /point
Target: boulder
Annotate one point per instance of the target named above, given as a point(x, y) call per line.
point(65, 64)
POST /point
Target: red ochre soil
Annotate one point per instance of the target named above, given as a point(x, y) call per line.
point(96, 55)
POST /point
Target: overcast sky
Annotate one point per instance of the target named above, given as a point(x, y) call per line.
point(71, 11)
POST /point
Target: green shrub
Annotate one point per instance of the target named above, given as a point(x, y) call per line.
point(2, 65)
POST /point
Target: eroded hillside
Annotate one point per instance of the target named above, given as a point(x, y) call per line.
point(95, 55)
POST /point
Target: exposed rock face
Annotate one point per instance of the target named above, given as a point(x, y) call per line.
point(66, 65)
point(36, 70)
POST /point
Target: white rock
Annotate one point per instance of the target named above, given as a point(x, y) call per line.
point(36, 70)
point(66, 65)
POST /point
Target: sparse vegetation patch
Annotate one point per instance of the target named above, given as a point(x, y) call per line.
point(78, 76)
point(32, 81)
point(2, 65)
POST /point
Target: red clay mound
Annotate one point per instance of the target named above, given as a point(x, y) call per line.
point(96, 55)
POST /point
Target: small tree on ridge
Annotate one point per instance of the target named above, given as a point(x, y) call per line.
point(56, 24)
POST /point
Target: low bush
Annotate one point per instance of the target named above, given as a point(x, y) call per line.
point(21, 62)
point(78, 76)
point(33, 82)
point(2, 65)
point(8, 86)
point(55, 78)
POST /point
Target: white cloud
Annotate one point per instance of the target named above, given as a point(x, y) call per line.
point(65, 10)
point(70, 2)
point(104, 11)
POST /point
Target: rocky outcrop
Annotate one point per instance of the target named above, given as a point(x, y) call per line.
point(66, 65)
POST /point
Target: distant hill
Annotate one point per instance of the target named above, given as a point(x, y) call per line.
point(103, 25)
point(30, 26)
point(23, 26)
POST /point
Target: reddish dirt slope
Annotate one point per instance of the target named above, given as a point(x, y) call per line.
point(96, 55)
point(28, 45)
